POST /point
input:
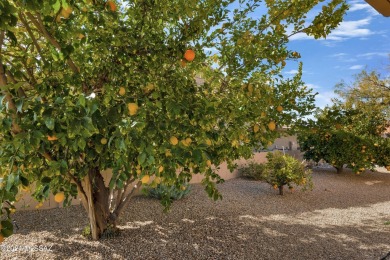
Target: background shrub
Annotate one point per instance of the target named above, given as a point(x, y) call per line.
point(171, 192)
point(281, 170)
point(253, 170)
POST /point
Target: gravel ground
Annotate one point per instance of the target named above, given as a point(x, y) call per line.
point(346, 216)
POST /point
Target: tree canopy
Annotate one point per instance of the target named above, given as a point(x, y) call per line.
point(146, 88)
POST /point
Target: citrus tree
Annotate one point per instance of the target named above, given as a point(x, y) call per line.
point(147, 88)
point(281, 170)
point(346, 136)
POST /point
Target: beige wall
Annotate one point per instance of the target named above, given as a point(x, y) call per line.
point(26, 202)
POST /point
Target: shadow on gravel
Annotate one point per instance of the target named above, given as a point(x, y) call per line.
point(342, 218)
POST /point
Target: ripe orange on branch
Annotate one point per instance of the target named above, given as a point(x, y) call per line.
point(112, 5)
point(59, 197)
point(189, 55)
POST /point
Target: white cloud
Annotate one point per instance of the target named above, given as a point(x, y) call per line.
point(361, 5)
point(370, 55)
point(291, 72)
point(341, 54)
point(325, 98)
point(351, 29)
point(313, 86)
point(356, 67)
point(346, 30)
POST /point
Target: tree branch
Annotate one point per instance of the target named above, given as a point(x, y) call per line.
point(28, 28)
point(126, 200)
point(3, 82)
point(41, 27)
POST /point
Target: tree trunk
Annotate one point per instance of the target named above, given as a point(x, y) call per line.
point(281, 189)
point(101, 219)
point(339, 169)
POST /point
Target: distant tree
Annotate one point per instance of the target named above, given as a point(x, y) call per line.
point(369, 92)
point(348, 137)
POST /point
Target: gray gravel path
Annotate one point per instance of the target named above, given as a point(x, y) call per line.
point(345, 217)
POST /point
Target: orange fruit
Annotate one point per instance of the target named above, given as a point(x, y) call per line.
point(112, 5)
point(122, 91)
point(189, 55)
point(208, 162)
point(183, 63)
point(103, 141)
point(59, 197)
point(65, 12)
point(133, 108)
point(52, 138)
point(145, 179)
point(174, 140)
point(272, 125)
point(256, 128)
point(279, 108)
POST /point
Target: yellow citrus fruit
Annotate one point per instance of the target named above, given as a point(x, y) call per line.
point(133, 108)
point(256, 128)
point(59, 197)
point(65, 12)
point(168, 153)
point(138, 171)
point(189, 55)
point(52, 138)
point(183, 187)
point(12, 211)
point(271, 125)
point(160, 169)
point(188, 140)
point(112, 5)
point(208, 162)
point(145, 179)
point(279, 108)
point(183, 63)
point(40, 204)
point(157, 180)
point(263, 114)
point(122, 91)
point(174, 140)
point(208, 142)
point(103, 141)
point(250, 88)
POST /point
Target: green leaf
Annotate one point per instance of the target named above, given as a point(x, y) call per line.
point(49, 122)
point(45, 180)
point(81, 143)
point(142, 158)
point(7, 229)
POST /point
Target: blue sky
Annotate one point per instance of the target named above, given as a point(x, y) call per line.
point(362, 41)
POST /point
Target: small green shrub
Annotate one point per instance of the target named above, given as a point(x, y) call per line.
point(163, 191)
point(253, 170)
point(281, 170)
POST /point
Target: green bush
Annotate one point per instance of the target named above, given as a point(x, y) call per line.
point(252, 171)
point(281, 170)
point(164, 191)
